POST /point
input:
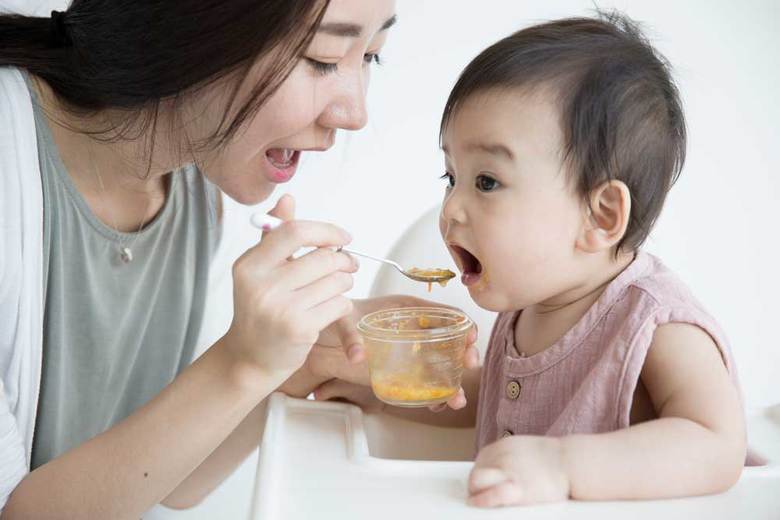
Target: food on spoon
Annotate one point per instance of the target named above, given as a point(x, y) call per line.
point(442, 276)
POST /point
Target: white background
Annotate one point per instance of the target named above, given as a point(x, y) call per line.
point(719, 228)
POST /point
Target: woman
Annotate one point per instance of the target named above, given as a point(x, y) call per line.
point(121, 124)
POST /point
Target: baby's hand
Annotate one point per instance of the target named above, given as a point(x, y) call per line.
point(470, 360)
point(456, 402)
point(520, 470)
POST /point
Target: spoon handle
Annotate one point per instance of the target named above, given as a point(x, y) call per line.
point(265, 222)
point(383, 260)
point(268, 223)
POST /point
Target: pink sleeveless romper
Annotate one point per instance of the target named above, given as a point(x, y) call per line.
point(585, 382)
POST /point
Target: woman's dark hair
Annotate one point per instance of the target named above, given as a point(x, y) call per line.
point(621, 114)
point(132, 55)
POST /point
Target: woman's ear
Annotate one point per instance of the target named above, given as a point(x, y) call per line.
point(605, 218)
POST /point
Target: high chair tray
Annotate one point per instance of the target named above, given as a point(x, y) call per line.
point(315, 462)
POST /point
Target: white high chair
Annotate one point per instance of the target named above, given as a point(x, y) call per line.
point(329, 460)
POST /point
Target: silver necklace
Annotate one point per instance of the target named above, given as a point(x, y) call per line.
point(124, 248)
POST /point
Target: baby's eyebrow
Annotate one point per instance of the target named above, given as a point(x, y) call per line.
point(498, 149)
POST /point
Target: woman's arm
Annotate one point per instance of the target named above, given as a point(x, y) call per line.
point(281, 305)
point(238, 445)
point(134, 465)
point(327, 368)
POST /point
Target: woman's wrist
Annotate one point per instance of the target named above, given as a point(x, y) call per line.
point(246, 375)
point(302, 382)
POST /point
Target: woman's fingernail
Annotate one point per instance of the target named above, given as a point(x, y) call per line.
point(355, 353)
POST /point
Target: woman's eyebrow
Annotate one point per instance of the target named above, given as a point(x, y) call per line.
point(351, 30)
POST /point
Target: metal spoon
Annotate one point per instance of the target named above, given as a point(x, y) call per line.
point(267, 223)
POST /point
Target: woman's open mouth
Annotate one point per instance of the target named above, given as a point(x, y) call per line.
point(470, 266)
point(284, 162)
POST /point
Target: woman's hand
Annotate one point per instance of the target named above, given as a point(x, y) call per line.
point(281, 303)
point(357, 394)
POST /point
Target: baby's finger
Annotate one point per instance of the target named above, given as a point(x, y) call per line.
point(473, 335)
point(471, 357)
point(483, 478)
point(504, 494)
point(458, 400)
point(436, 408)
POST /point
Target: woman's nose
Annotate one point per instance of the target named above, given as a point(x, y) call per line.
point(347, 110)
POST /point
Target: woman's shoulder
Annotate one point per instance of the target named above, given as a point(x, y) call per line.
point(20, 186)
point(206, 199)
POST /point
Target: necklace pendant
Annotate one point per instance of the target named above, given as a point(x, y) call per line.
point(126, 254)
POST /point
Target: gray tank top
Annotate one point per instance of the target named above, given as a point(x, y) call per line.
point(115, 333)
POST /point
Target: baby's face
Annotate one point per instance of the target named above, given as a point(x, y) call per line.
point(510, 216)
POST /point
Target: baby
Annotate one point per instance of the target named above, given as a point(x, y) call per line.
point(604, 377)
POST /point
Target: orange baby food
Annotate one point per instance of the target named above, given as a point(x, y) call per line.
point(445, 274)
point(404, 391)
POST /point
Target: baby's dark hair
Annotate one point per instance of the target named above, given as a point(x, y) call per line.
point(621, 114)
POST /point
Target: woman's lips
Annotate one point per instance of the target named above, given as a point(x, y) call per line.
point(283, 163)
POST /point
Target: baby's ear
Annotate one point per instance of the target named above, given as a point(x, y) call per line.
point(605, 218)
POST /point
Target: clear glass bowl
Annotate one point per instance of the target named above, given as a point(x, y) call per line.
point(415, 354)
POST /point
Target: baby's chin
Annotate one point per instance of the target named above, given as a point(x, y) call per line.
point(486, 295)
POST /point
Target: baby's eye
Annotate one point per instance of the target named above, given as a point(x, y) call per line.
point(485, 183)
point(450, 179)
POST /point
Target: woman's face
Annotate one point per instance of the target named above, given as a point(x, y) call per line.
point(325, 91)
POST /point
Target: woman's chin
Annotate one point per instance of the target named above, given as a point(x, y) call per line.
point(250, 195)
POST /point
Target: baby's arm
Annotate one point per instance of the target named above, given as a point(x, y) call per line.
point(696, 446)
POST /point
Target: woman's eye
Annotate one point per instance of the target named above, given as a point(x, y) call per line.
point(485, 183)
point(449, 178)
point(321, 67)
point(324, 68)
point(372, 57)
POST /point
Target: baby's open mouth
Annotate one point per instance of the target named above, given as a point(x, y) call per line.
point(469, 264)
